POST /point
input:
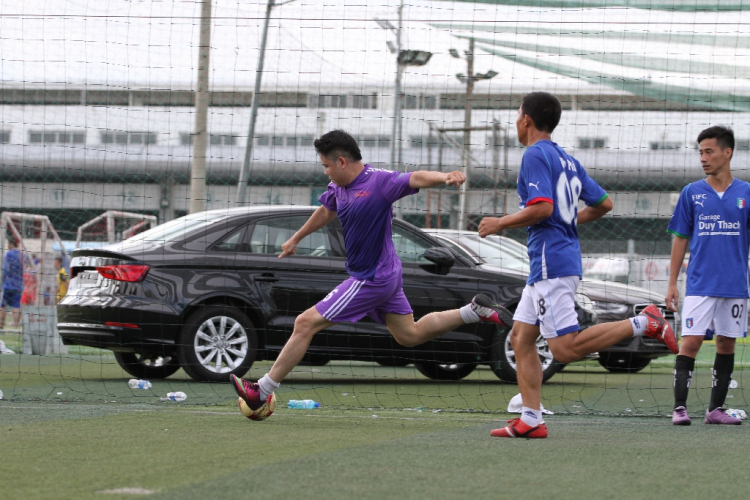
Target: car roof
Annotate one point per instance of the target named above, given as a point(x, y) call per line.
point(252, 209)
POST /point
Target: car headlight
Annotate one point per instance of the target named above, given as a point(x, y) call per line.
point(612, 309)
point(587, 313)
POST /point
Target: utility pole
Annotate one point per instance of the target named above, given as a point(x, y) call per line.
point(396, 129)
point(469, 80)
point(466, 153)
point(200, 139)
point(245, 172)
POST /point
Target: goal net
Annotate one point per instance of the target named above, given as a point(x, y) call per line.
point(120, 115)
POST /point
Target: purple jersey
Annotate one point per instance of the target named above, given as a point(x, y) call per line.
point(365, 210)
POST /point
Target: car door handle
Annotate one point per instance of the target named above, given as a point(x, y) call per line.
point(267, 278)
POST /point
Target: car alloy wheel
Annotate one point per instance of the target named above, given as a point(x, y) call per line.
point(217, 341)
point(220, 344)
point(503, 358)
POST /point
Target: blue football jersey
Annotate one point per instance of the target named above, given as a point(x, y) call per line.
point(549, 174)
point(718, 232)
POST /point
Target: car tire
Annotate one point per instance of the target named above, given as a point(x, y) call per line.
point(315, 360)
point(217, 333)
point(147, 367)
point(445, 371)
point(623, 362)
point(394, 361)
point(503, 359)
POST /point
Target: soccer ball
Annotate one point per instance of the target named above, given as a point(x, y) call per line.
point(261, 413)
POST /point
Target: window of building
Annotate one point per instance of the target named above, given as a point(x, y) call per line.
point(363, 102)
point(4, 136)
point(128, 138)
point(45, 137)
point(592, 142)
point(665, 146)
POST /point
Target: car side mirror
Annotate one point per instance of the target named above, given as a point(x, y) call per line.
point(442, 257)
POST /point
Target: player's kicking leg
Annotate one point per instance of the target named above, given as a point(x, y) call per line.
point(306, 325)
point(409, 333)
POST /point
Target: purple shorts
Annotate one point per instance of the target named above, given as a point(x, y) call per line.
point(354, 299)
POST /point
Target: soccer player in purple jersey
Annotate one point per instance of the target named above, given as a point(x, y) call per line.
point(362, 198)
point(550, 183)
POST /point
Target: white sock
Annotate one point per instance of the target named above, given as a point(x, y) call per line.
point(469, 315)
point(639, 324)
point(530, 417)
point(267, 386)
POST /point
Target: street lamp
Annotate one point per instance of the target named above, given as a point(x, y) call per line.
point(468, 79)
point(404, 58)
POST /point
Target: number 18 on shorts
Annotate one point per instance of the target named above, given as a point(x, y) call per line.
point(551, 305)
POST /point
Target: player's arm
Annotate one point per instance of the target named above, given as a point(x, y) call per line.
point(679, 248)
point(427, 179)
point(317, 220)
point(528, 216)
point(592, 213)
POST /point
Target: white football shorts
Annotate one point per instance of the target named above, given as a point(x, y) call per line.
point(714, 315)
point(551, 304)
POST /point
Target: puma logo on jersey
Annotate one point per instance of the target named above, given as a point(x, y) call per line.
point(536, 185)
point(699, 203)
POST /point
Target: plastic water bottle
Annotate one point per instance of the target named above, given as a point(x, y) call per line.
point(1, 394)
point(302, 404)
point(135, 383)
point(176, 396)
point(737, 413)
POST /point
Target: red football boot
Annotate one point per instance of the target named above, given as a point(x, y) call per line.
point(659, 329)
point(519, 429)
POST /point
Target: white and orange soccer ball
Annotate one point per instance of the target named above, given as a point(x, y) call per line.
point(261, 413)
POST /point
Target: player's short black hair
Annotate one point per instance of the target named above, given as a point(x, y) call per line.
point(543, 108)
point(724, 136)
point(338, 143)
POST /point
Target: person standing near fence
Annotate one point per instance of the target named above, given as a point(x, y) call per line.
point(550, 183)
point(62, 279)
point(712, 216)
point(362, 198)
point(12, 284)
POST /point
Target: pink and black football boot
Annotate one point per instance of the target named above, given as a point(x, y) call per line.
point(248, 391)
point(490, 312)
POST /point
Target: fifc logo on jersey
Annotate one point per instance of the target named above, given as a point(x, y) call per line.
point(740, 202)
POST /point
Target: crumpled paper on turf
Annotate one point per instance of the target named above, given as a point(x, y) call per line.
point(516, 404)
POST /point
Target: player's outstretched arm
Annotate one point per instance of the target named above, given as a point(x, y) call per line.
point(590, 214)
point(317, 220)
point(679, 248)
point(427, 179)
point(523, 218)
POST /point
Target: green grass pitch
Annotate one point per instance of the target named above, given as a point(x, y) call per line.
point(99, 439)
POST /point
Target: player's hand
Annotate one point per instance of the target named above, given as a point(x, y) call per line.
point(288, 248)
point(489, 225)
point(455, 178)
point(672, 299)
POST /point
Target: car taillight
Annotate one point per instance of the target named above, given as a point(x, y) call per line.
point(124, 272)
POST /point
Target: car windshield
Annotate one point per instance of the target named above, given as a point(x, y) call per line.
point(497, 251)
point(176, 229)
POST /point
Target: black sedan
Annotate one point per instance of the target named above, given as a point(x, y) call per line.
point(208, 293)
